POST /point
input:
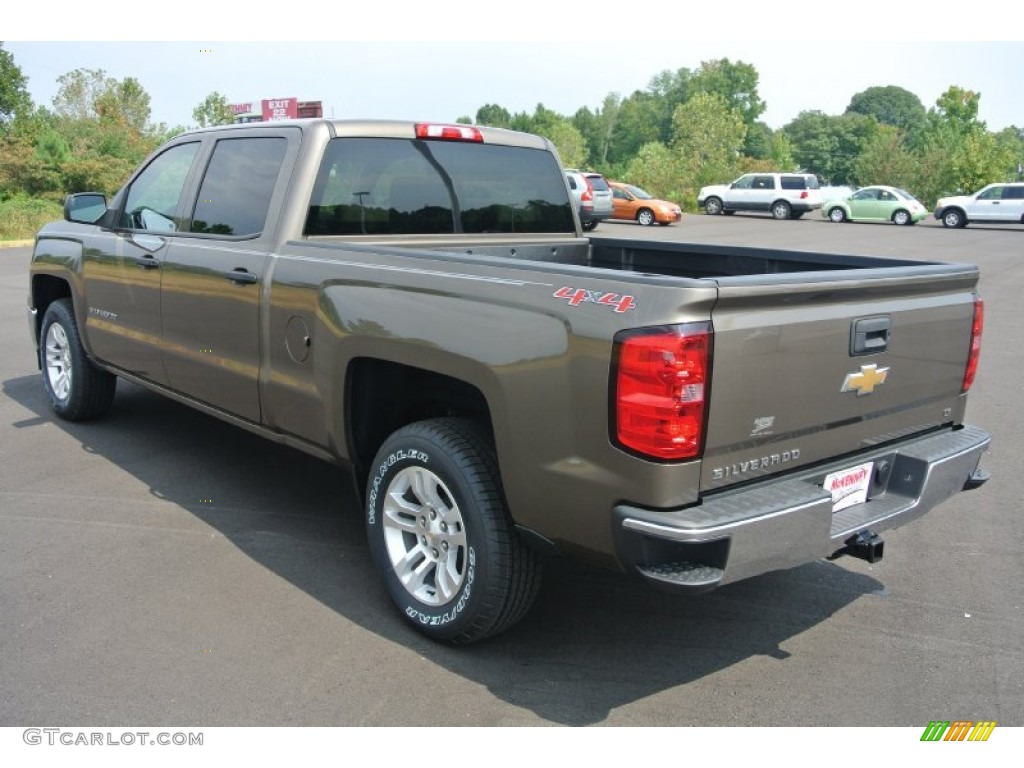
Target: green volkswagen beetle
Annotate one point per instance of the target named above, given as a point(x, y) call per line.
point(876, 203)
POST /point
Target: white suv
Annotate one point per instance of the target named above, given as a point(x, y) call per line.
point(784, 195)
point(995, 204)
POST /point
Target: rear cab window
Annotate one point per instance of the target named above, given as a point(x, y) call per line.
point(396, 186)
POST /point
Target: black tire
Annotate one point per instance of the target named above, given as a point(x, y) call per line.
point(781, 210)
point(728, 213)
point(796, 214)
point(837, 215)
point(645, 217)
point(435, 514)
point(589, 226)
point(77, 389)
point(954, 218)
point(713, 206)
point(901, 218)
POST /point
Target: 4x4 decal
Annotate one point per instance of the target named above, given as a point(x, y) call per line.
point(577, 296)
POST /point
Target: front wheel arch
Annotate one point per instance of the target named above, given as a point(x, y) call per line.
point(954, 218)
point(645, 217)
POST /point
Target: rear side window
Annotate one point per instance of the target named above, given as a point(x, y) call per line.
point(235, 194)
point(375, 186)
point(1013, 193)
point(800, 182)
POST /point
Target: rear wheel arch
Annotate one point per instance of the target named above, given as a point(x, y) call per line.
point(781, 210)
point(382, 396)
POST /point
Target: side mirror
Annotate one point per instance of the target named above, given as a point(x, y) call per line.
point(85, 207)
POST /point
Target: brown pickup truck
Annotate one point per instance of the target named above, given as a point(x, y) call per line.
point(418, 304)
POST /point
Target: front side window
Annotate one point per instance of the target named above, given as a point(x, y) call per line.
point(866, 194)
point(152, 202)
point(375, 186)
point(743, 182)
point(235, 194)
point(992, 193)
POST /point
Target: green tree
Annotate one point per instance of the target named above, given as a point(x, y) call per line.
point(735, 83)
point(638, 122)
point(88, 94)
point(14, 98)
point(707, 138)
point(890, 105)
point(782, 152)
point(213, 110)
point(829, 145)
point(885, 159)
point(956, 152)
point(571, 146)
point(493, 115)
point(758, 143)
point(657, 169)
point(1010, 141)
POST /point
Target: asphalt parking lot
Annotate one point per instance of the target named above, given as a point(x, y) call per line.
point(160, 566)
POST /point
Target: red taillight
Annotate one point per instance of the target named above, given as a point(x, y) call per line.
point(804, 195)
point(972, 358)
point(588, 191)
point(450, 132)
point(661, 386)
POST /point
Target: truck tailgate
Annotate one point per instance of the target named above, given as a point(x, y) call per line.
point(806, 371)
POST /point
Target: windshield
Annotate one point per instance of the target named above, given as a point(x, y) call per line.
point(637, 192)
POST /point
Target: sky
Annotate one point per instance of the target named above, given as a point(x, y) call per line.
point(441, 61)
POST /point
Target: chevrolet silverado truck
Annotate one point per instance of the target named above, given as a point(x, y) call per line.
point(417, 303)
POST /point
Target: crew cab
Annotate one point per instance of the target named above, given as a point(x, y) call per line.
point(417, 304)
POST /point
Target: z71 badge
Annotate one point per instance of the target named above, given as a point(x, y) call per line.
point(577, 296)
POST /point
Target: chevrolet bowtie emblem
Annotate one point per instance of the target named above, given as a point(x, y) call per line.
point(865, 380)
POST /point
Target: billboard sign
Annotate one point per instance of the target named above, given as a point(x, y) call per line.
point(280, 109)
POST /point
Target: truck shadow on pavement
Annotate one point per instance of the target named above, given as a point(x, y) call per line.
point(595, 641)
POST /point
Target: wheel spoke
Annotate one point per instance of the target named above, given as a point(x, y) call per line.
point(399, 519)
point(415, 573)
point(447, 579)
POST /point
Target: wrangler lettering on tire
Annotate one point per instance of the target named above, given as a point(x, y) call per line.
point(440, 535)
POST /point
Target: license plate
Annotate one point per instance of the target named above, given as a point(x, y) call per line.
point(849, 486)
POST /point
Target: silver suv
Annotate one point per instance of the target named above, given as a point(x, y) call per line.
point(593, 196)
point(784, 195)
